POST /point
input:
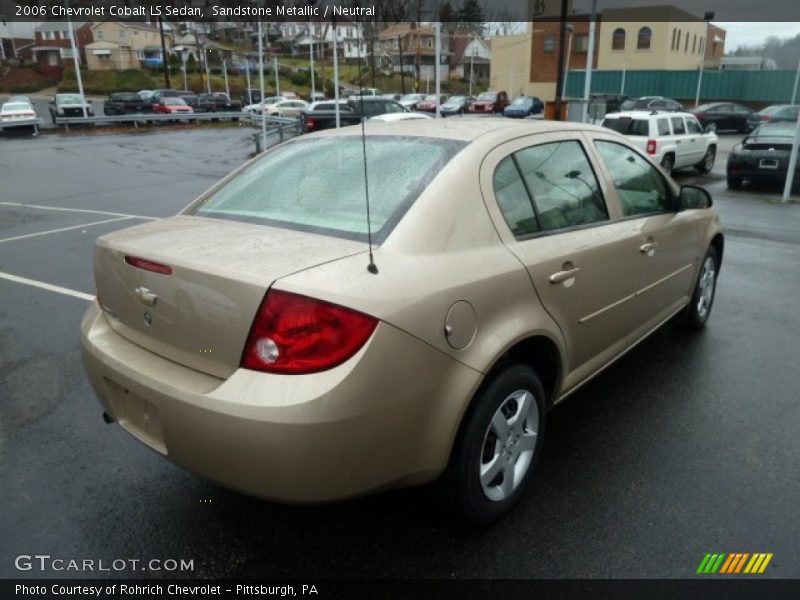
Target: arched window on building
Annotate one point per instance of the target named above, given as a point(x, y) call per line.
point(618, 39)
point(643, 41)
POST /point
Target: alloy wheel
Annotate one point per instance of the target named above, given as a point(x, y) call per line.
point(706, 284)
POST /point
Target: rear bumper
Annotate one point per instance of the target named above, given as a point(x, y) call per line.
point(385, 418)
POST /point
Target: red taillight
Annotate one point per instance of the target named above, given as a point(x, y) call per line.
point(294, 334)
point(148, 265)
point(311, 124)
point(766, 118)
point(652, 146)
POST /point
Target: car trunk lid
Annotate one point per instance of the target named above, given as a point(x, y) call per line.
point(191, 286)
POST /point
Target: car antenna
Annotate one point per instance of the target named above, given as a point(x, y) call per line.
point(371, 267)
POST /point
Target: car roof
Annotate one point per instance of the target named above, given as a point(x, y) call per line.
point(645, 114)
point(492, 130)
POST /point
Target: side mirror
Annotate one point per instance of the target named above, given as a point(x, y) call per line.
point(694, 197)
point(710, 128)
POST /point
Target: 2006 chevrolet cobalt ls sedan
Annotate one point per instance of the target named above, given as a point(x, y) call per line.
point(252, 339)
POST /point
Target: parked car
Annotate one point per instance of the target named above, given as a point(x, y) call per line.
point(172, 106)
point(256, 109)
point(69, 105)
point(250, 96)
point(399, 116)
point(287, 108)
point(763, 156)
point(524, 106)
point(316, 97)
point(410, 101)
point(126, 103)
point(329, 374)
point(216, 102)
point(358, 109)
point(290, 95)
point(327, 105)
point(146, 95)
point(190, 98)
point(16, 113)
point(428, 103)
point(674, 140)
point(773, 114)
point(455, 105)
point(490, 102)
point(157, 95)
point(395, 97)
point(725, 115)
point(367, 92)
point(651, 103)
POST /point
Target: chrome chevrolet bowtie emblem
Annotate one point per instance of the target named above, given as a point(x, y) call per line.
point(145, 296)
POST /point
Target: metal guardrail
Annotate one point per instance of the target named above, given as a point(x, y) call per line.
point(138, 118)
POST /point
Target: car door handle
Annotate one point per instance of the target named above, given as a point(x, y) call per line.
point(649, 248)
point(562, 276)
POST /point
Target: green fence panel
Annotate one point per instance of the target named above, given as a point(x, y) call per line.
point(748, 86)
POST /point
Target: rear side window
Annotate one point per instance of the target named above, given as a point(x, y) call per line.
point(548, 187)
point(663, 127)
point(628, 126)
point(317, 185)
point(640, 188)
point(677, 125)
point(693, 126)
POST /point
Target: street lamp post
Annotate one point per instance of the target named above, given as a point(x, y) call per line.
point(707, 18)
point(587, 84)
point(77, 66)
point(570, 29)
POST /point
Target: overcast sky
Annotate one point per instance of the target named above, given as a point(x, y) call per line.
point(750, 34)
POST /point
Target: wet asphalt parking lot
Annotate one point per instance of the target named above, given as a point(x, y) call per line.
point(687, 445)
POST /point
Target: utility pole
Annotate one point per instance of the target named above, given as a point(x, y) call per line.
point(76, 62)
point(787, 189)
point(796, 81)
point(225, 74)
point(561, 39)
point(200, 54)
point(261, 78)
point(624, 69)
point(164, 61)
point(277, 77)
point(587, 83)
point(336, 77)
point(247, 76)
point(437, 71)
point(472, 63)
point(403, 66)
point(570, 29)
point(311, 58)
point(707, 18)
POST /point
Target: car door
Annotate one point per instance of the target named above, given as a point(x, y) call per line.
point(549, 207)
point(664, 239)
point(683, 151)
point(698, 141)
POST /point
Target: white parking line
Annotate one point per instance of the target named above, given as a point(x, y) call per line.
point(79, 210)
point(46, 286)
point(30, 235)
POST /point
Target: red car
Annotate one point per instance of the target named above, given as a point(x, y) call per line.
point(489, 102)
point(428, 104)
point(171, 106)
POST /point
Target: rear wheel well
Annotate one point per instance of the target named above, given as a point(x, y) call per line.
point(538, 352)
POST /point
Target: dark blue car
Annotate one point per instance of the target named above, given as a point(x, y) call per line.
point(524, 106)
point(773, 114)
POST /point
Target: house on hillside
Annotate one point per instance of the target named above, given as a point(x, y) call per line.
point(126, 45)
point(52, 48)
point(471, 56)
point(411, 48)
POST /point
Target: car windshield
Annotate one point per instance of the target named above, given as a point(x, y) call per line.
point(775, 130)
point(704, 107)
point(628, 126)
point(522, 101)
point(487, 97)
point(15, 106)
point(770, 110)
point(430, 98)
point(317, 185)
point(456, 100)
point(68, 99)
point(409, 97)
point(173, 102)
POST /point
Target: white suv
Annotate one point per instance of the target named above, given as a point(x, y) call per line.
point(673, 139)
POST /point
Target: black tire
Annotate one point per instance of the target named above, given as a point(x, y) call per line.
point(705, 165)
point(734, 183)
point(694, 317)
point(668, 163)
point(461, 487)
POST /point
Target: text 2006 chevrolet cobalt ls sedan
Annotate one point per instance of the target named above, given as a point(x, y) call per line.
point(251, 339)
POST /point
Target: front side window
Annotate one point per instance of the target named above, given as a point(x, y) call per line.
point(693, 126)
point(640, 187)
point(317, 185)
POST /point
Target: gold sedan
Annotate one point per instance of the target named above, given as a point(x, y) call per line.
point(280, 339)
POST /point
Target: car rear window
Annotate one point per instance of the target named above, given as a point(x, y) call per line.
point(627, 125)
point(317, 185)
